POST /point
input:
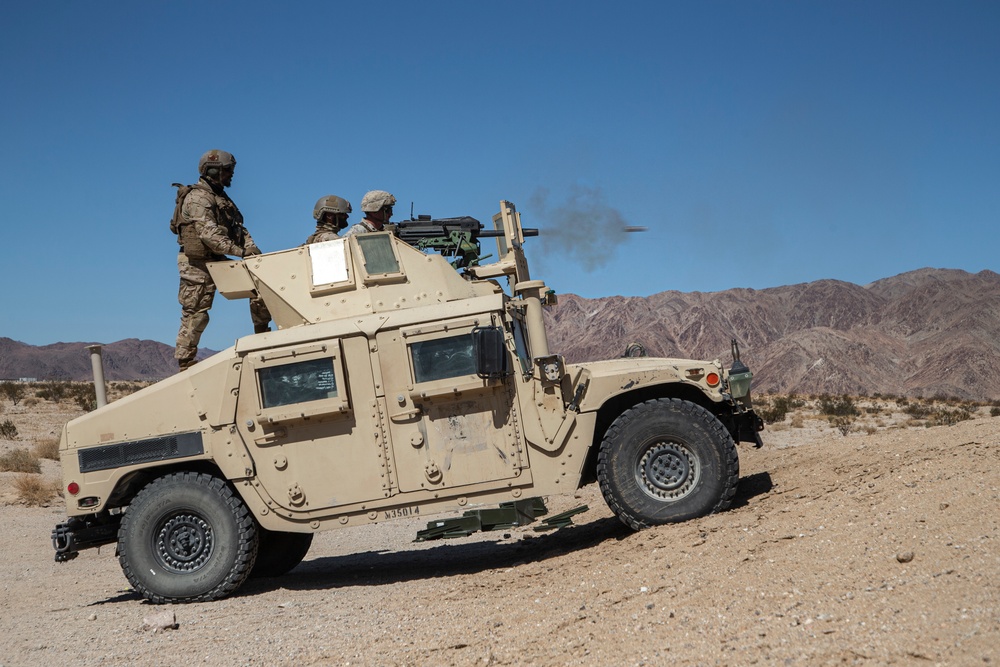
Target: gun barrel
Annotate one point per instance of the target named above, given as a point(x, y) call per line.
point(494, 233)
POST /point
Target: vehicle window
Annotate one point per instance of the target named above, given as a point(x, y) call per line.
point(442, 358)
point(300, 382)
point(379, 257)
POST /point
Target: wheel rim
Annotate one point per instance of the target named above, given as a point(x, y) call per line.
point(667, 471)
point(184, 543)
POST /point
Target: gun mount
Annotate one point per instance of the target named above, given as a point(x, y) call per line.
point(457, 238)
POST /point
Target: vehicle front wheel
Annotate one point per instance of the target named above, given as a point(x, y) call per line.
point(667, 460)
point(187, 537)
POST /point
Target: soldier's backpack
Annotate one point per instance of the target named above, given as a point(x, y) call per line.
point(175, 221)
point(187, 238)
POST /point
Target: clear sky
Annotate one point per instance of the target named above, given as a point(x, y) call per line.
point(762, 143)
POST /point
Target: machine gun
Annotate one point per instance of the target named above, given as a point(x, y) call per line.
point(457, 238)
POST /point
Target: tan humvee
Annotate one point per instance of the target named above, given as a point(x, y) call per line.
point(394, 386)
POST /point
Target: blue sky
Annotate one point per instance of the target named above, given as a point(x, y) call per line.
point(762, 143)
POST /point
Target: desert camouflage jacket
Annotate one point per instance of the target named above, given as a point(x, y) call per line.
point(217, 223)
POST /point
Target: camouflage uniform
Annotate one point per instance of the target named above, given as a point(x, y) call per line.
point(362, 227)
point(211, 227)
point(324, 232)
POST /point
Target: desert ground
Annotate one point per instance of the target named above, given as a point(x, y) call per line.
point(874, 547)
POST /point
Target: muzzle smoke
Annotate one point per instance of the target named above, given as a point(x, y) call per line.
point(584, 227)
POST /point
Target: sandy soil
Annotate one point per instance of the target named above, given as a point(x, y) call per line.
point(865, 549)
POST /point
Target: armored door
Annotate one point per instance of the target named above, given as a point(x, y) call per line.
point(451, 431)
point(311, 420)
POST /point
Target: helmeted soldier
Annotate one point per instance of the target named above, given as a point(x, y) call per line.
point(209, 228)
point(377, 207)
point(331, 214)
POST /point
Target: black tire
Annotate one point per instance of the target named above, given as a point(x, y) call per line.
point(187, 537)
point(279, 552)
point(667, 460)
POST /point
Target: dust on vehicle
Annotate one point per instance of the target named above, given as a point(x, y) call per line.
point(399, 383)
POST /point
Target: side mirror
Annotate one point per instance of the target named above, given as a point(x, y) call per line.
point(492, 358)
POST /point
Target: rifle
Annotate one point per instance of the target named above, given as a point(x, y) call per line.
point(457, 238)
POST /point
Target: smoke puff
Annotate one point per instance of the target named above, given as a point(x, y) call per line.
point(584, 227)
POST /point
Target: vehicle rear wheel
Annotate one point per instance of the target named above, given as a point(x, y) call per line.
point(667, 460)
point(187, 537)
point(279, 552)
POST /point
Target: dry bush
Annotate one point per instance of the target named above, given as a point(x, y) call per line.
point(843, 424)
point(798, 421)
point(14, 391)
point(945, 417)
point(31, 402)
point(8, 430)
point(774, 410)
point(838, 407)
point(47, 449)
point(20, 460)
point(33, 490)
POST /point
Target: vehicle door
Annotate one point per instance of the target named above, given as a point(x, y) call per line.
point(309, 415)
point(449, 428)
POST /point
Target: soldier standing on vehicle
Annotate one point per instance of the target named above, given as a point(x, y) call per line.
point(331, 214)
point(209, 227)
point(377, 207)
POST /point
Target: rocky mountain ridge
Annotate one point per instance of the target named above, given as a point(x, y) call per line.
point(922, 333)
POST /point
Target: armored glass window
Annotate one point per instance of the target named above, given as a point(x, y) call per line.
point(443, 358)
point(300, 382)
point(379, 257)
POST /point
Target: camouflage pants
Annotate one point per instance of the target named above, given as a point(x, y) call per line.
point(196, 294)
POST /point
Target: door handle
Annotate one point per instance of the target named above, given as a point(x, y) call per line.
point(406, 415)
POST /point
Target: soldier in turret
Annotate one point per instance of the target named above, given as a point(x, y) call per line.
point(377, 207)
point(331, 214)
point(209, 228)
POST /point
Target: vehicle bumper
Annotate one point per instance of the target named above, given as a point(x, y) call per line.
point(87, 532)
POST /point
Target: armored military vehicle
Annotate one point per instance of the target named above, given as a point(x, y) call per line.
point(394, 386)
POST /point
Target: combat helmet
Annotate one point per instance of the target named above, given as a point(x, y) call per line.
point(331, 204)
point(215, 159)
point(375, 200)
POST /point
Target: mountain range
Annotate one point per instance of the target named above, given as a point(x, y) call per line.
point(925, 333)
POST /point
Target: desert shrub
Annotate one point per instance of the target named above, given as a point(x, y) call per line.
point(13, 391)
point(778, 408)
point(995, 411)
point(8, 430)
point(798, 421)
point(31, 402)
point(33, 490)
point(125, 388)
point(85, 396)
point(946, 417)
point(840, 407)
point(19, 460)
point(843, 424)
point(918, 410)
point(47, 449)
point(54, 391)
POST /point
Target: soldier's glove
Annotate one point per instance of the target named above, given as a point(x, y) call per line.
point(252, 250)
